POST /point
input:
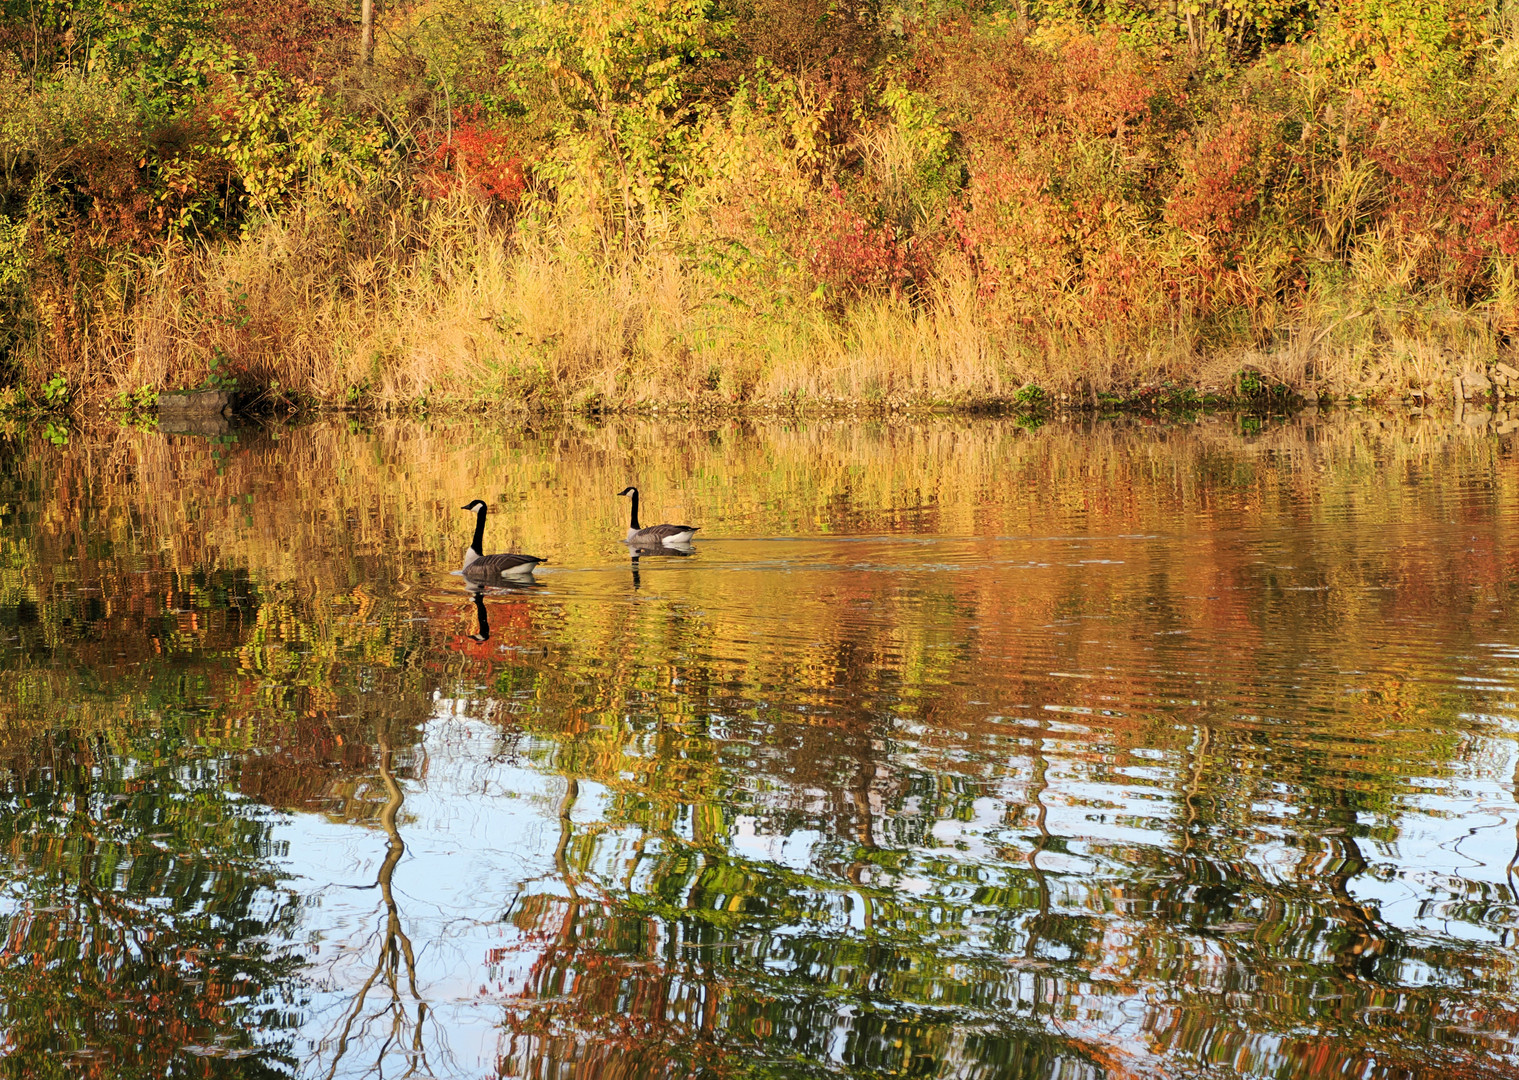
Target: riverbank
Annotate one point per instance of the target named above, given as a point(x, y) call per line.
point(562, 209)
point(1251, 411)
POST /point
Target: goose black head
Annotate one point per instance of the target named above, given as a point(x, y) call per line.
point(475, 506)
point(628, 491)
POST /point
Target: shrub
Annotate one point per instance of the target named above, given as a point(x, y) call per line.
point(848, 254)
point(1452, 190)
point(475, 157)
point(1221, 186)
point(298, 39)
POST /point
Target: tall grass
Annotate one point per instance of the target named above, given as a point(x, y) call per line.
point(451, 308)
point(460, 312)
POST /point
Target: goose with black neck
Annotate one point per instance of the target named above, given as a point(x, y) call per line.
point(481, 567)
point(655, 535)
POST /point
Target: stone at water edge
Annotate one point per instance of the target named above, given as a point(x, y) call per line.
point(204, 424)
point(195, 403)
point(1512, 374)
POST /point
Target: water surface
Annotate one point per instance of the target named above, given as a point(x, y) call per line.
point(954, 749)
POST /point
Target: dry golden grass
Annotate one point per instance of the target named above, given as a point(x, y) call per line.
point(443, 307)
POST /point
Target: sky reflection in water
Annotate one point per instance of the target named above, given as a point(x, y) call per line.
point(954, 749)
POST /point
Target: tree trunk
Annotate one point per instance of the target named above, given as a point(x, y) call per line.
point(366, 31)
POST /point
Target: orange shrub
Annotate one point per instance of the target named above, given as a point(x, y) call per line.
point(1220, 190)
point(846, 253)
point(474, 157)
point(1013, 228)
point(1066, 149)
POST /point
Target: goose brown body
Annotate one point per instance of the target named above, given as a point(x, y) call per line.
point(495, 565)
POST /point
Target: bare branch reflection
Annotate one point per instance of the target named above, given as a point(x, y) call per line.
point(400, 1013)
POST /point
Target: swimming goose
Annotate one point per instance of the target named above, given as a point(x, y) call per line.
point(485, 567)
point(655, 534)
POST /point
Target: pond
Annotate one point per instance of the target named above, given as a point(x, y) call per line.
point(953, 748)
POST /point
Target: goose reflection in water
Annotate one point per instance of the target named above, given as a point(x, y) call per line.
point(471, 632)
point(656, 551)
point(482, 632)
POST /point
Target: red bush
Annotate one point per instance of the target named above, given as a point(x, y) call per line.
point(1015, 231)
point(847, 253)
point(297, 38)
point(1450, 197)
point(474, 157)
point(293, 37)
point(1219, 194)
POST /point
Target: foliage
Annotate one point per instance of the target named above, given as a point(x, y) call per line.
point(618, 73)
point(846, 252)
point(1397, 48)
point(1089, 194)
point(473, 156)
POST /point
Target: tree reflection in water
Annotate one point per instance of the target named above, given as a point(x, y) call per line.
point(641, 999)
point(138, 918)
point(676, 969)
point(399, 1016)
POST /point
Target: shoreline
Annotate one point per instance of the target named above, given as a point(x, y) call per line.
point(1469, 385)
point(1173, 404)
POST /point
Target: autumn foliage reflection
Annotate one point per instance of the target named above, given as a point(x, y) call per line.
point(958, 746)
point(140, 925)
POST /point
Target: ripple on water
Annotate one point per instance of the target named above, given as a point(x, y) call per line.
point(952, 749)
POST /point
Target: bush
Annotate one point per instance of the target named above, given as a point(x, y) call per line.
point(474, 157)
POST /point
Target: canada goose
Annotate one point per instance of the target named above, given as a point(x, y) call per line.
point(655, 535)
point(486, 567)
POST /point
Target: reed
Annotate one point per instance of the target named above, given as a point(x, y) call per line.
point(461, 314)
